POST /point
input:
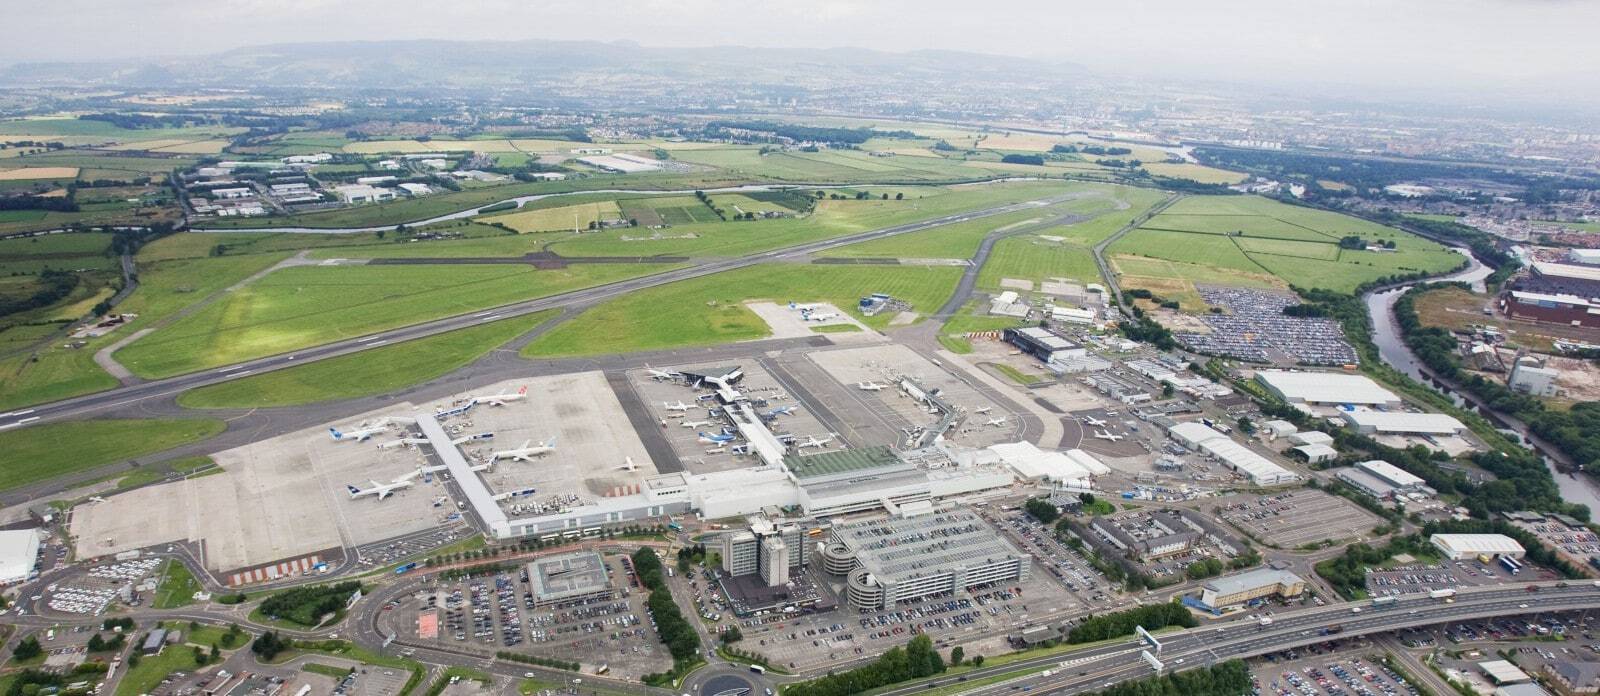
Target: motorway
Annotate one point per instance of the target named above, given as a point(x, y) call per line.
point(101, 403)
point(1093, 669)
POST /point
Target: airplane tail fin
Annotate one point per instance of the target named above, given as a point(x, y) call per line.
point(336, 434)
point(550, 442)
point(523, 390)
point(353, 490)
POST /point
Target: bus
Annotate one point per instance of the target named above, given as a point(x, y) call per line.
point(1380, 602)
point(758, 669)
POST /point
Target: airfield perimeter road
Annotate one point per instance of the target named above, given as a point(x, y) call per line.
point(115, 399)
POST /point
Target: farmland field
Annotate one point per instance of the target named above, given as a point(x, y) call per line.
point(568, 218)
point(1204, 249)
point(376, 371)
point(24, 173)
point(310, 305)
point(1193, 172)
point(1310, 250)
point(56, 449)
point(708, 311)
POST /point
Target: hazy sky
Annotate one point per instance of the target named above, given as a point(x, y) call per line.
point(1397, 43)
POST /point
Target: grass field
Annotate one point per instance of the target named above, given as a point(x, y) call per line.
point(563, 218)
point(1193, 172)
point(1031, 257)
point(176, 588)
point(38, 173)
point(1176, 281)
point(375, 371)
point(55, 449)
point(708, 311)
point(1204, 249)
point(310, 305)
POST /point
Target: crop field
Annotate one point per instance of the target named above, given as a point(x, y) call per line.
point(1031, 257)
point(671, 210)
point(571, 217)
point(310, 305)
point(1320, 251)
point(55, 449)
point(101, 166)
point(381, 370)
point(1193, 172)
point(34, 128)
point(26, 173)
point(709, 311)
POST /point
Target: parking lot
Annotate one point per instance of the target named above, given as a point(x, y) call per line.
point(496, 612)
point(92, 592)
point(683, 413)
point(1086, 586)
point(1445, 574)
point(1295, 518)
point(386, 552)
point(1344, 672)
point(1254, 327)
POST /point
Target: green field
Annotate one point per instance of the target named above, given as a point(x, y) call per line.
point(46, 451)
point(176, 588)
point(708, 311)
point(37, 128)
point(375, 371)
point(567, 218)
point(1031, 257)
point(310, 305)
point(1204, 249)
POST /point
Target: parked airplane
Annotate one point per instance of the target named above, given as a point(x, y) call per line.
point(359, 435)
point(628, 465)
point(382, 490)
point(813, 441)
point(709, 439)
point(680, 406)
point(716, 450)
point(869, 386)
point(821, 317)
point(470, 438)
point(997, 422)
point(1103, 435)
point(501, 399)
point(803, 307)
point(527, 451)
point(981, 411)
point(695, 424)
point(662, 375)
point(96, 499)
point(1096, 422)
point(782, 411)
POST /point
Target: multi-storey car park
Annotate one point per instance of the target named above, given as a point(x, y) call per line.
point(902, 559)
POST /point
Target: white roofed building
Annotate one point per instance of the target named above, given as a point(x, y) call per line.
point(1402, 423)
point(1326, 388)
point(1463, 546)
point(19, 550)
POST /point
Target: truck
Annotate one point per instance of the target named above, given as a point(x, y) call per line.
point(1381, 602)
point(1264, 621)
point(405, 568)
point(1333, 630)
point(758, 669)
point(1510, 564)
point(1444, 593)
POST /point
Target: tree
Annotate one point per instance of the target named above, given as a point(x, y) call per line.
point(96, 643)
point(732, 635)
point(200, 656)
point(1042, 510)
point(956, 654)
point(28, 649)
point(1246, 426)
point(1166, 390)
point(216, 653)
point(900, 196)
point(977, 660)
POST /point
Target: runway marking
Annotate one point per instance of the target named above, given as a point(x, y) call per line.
point(246, 372)
point(379, 343)
point(16, 413)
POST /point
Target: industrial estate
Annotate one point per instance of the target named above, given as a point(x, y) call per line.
point(308, 392)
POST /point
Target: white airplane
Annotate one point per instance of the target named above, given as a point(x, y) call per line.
point(359, 435)
point(709, 439)
point(661, 375)
point(628, 465)
point(869, 386)
point(821, 317)
point(96, 499)
point(680, 406)
point(1096, 422)
point(1103, 435)
point(382, 490)
point(501, 399)
point(997, 422)
point(695, 424)
point(981, 411)
point(527, 451)
point(813, 441)
point(716, 450)
point(782, 411)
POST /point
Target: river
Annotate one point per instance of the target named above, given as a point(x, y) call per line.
point(1386, 335)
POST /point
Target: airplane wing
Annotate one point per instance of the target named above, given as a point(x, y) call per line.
point(526, 444)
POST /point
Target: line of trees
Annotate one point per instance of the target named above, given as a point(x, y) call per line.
point(54, 286)
point(915, 660)
point(1231, 678)
point(674, 630)
point(550, 662)
point(1121, 623)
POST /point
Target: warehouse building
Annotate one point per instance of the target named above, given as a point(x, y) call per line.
point(1530, 376)
point(1316, 454)
point(1240, 589)
point(19, 553)
point(903, 559)
point(1402, 423)
point(569, 578)
point(1545, 278)
point(1310, 437)
point(1459, 547)
point(1043, 344)
point(1260, 470)
point(1326, 388)
point(1553, 308)
point(1571, 678)
point(1034, 464)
